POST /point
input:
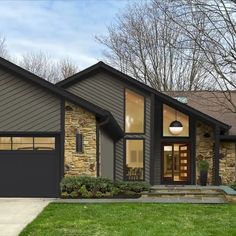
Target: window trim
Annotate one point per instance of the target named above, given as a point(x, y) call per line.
point(30, 135)
point(124, 113)
point(124, 158)
point(162, 124)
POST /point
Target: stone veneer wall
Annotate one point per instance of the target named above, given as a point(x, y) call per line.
point(79, 120)
point(204, 149)
point(227, 162)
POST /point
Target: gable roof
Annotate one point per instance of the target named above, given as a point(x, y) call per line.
point(102, 67)
point(103, 115)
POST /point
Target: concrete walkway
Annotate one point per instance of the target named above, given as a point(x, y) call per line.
point(202, 200)
point(16, 213)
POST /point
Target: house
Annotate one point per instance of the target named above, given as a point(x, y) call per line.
point(101, 122)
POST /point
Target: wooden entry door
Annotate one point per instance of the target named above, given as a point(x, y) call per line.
point(175, 163)
point(183, 162)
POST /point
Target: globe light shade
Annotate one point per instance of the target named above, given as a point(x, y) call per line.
point(176, 127)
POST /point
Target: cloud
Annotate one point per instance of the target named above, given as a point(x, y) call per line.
point(62, 28)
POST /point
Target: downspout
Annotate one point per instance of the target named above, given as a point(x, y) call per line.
point(104, 122)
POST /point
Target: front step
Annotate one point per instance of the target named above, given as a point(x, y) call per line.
point(189, 193)
point(181, 194)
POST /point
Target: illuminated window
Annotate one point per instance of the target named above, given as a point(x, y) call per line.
point(134, 112)
point(27, 143)
point(22, 143)
point(134, 160)
point(44, 143)
point(170, 115)
point(5, 143)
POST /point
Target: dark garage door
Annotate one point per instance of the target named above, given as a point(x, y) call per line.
point(28, 173)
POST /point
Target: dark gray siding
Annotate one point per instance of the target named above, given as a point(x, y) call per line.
point(107, 156)
point(103, 91)
point(157, 142)
point(25, 107)
point(108, 93)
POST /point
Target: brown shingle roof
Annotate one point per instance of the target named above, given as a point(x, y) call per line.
point(213, 104)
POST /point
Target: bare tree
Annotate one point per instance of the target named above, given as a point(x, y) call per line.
point(40, 64)
point(3, 48)
point(43, 65)
point(66, 68)
point(146, 43)
point(217, 43)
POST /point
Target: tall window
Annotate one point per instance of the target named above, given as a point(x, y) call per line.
point(134, 112)
point(134, 159)
point(170, 115)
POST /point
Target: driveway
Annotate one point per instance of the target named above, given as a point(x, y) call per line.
point(16, 213)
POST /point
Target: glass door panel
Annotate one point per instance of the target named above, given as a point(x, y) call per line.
point(175, 163)
point(168, 162)
point(183, 157)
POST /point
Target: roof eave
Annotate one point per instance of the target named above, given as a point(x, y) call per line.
point(99, 112)
point(101, 65)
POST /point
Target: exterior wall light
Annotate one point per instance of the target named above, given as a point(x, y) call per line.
point(176, 126)
point(79, 143)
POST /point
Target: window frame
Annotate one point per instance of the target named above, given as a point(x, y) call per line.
point(19, 135)
point(144, 113)
point(124, 158)
point(162, 124)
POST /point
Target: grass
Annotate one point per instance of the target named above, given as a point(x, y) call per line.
point(134, 219)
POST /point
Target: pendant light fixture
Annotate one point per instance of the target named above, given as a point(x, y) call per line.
point(176, 126)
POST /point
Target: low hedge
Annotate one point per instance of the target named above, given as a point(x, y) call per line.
point(91, 187)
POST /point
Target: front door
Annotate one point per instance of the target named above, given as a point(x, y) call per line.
point(175, 163)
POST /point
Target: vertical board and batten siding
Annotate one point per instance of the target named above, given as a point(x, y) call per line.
point(25, 107)
point(108, 92)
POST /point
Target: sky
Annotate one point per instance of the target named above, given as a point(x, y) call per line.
point(62, 28)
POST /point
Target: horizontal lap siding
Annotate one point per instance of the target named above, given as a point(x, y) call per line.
point(108, 93)
point(25, 107)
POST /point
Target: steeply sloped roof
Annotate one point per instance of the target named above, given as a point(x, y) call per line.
point(111, 125)
point(102, 67)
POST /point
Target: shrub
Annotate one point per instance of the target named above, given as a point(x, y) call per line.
point(84, 192)
point(115, 191)
point(74, 183)
point(203, 165)
point(74, 194)
point(88, 187)
point(107, 194)
point(98, 194)
point(136, 187)
point(65, 195)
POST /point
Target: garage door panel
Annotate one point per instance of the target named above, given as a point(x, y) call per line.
point(29, 174)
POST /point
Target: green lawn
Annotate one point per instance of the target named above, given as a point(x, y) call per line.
point(134, 219)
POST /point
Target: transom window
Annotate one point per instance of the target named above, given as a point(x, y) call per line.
point(170, 115)
point(134, 160)
point(134, 112)
point(27, 143)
